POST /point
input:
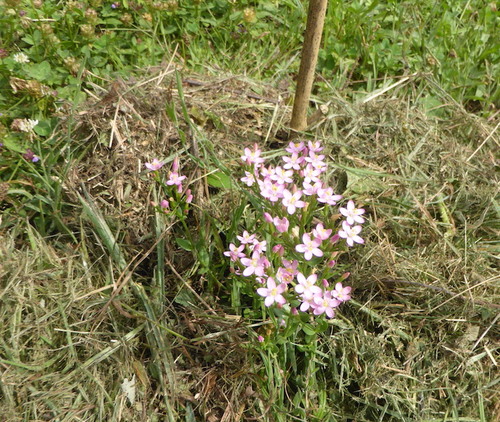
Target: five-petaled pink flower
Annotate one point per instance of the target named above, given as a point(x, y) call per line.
point(342, 293)
point(235, 252)
point(309, 247)
point(325, 305)
point(256, 265)
point(253, 156)
point(273, 293)
point(175, 179)
point(292, 201)
point(350, 234)
point(352, 213)
point(154, 165)
point(307, 286)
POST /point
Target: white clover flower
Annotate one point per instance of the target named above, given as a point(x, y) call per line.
point(21, 58)
point(27, 125)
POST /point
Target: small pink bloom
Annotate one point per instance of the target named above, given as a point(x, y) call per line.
point(175, 179)
point(281, 224)
point(321, 233)
point(352, 213)
point(295, 148)
point(249, 179)
point(252, 156)
point(259, 246)
point(306, 287)
point(246, 238)
point(154, 165)
point(268, 218)
point(328, 197)
point(316, 160)
point(312, 189)
point(164, 204)
point(272, 293)
point(350, 234)
point(292, 201)
point(189, 196)
point(279, 249)
point(282, 176)
point(311, 174)
point(325, 305)
point(314, 146)
point(235, 252)
point(341, 293)
point(260, 339)
point(309, 247)
point(293, 162)
point(256, 265)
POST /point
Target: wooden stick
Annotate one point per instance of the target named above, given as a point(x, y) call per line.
point(312, 40)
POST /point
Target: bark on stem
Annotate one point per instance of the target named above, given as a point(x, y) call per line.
point(312, 40)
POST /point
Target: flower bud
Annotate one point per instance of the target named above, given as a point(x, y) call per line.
point(279, 249)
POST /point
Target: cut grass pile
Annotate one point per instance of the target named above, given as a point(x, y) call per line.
point(123, 300)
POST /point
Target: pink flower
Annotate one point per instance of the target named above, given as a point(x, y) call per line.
point(246, 238)
point(350, 234)
point(281, 224)
point(307, 286)
point(260, 339)
point(328, 197)
point(321, 233)
point(164, 204)
point(189, 196)
point(292, 201)
point(313, 189)
point(249, 179)
point(256, 265)
point(325, 305)
point(279, 249)
point(311, 174)
point(175, 179)
point(154, 165)
point(235, 252)
point(352, 214)
point(271, 191)
point(282, 176)
point(268, 217)
point(293, 162)
point(342, 293)
point(309, 247)
point(272, 293)
point(253, 156)
point(259, 246)
point(316, 160)
point(284, 276)
point(295, 148)
point(314, 146)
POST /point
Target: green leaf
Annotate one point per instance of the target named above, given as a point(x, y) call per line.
point(308, 329)
point(39, 71)
point(10, 142)
point(184, 244)
point(219, 180)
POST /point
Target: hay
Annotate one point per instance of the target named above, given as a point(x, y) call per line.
point(422, 337)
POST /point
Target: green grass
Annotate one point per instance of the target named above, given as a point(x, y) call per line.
point(97, 287)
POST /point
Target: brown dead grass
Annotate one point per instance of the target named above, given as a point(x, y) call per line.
point(428, 269)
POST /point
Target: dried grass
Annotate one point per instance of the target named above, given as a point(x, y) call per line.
point(422, 341)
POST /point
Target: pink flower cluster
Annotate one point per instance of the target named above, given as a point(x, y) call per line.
point(291, 256)
point(174, 179)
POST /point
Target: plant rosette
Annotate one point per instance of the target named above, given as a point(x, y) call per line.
point(290, 257)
